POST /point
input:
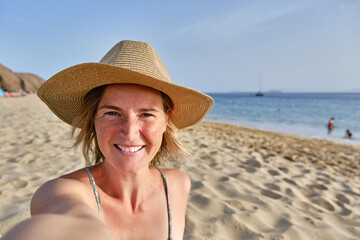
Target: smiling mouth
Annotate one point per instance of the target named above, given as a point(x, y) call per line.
point(129, 149)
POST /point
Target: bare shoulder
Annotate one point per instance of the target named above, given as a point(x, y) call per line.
point(60, 194)
point(177, 179)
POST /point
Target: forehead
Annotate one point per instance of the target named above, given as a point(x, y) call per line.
point(130, 92)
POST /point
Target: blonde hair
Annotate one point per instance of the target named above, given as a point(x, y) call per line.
point(83, 131)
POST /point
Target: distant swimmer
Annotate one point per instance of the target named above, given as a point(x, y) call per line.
point(348, 134)
point(331, 125)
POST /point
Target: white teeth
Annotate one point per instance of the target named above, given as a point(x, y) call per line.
point(129, 149)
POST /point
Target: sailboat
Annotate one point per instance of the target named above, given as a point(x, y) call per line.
point(259, 93)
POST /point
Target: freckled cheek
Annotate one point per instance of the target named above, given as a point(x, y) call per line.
point(154, 134)
point(103, 132)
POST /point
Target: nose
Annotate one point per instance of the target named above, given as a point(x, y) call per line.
point(130, 128)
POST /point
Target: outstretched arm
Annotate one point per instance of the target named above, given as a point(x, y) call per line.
point(60, 210)
point(58, 227)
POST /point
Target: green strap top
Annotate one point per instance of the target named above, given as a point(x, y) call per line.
point(93, 184)
point(168, 203)
point(92, 181)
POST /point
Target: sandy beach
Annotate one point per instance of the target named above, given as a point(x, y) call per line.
point(246, 183)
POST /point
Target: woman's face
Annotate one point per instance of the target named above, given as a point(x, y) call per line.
point(129, 123)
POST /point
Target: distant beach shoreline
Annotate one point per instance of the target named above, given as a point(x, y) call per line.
point(340, 140)
point(301, 114)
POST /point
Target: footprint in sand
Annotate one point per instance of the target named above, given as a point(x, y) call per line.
point(213, 164)
point(342, 198)
point(272, 186)
point(270, 194)
point(283, 169)
point(12, 160)
point(203, 145)
point(228, 210)
point(352, 193)
point(325, 181)
point(273, 172)
point(269, 155)
point(289, 181)
point(234, 175)
point(310, 220)
point(213, 153)
point(252, 165)
point(323, 203)
point(200, 200)
point(250, 170)
point(289, 192)
point(196, 185)
point(317, 186)
point(224, 179)
point(324, 175)
point(283, 224)
point(344, 211)
point(206, 157)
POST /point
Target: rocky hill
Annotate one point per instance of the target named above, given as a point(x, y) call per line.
point(14, 82)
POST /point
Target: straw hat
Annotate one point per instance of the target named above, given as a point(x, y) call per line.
point(127, 62)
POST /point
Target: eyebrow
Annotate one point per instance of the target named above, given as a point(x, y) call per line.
point(120, 109)
point(109, 107)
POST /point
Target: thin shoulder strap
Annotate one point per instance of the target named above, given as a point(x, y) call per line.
point(92, 181)
point(168, 203)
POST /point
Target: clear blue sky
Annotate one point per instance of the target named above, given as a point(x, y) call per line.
point(212, 46)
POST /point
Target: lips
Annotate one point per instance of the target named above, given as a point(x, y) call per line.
point(129, 149)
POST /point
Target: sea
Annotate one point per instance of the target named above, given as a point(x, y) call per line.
point(303, 114)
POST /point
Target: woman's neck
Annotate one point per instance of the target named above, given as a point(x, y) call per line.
point(131, 188)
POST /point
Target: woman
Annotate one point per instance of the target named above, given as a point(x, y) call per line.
point(124, 112)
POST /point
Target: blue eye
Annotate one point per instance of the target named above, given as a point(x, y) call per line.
point(146, 115)
point(111, 113)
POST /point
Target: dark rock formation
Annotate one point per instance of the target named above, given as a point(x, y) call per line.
point(29, 82)
point(8, 80)
point(14, 82)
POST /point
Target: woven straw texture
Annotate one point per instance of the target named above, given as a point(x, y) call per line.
point(127, 62)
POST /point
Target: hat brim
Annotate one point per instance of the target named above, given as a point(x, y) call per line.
point(64, 92)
